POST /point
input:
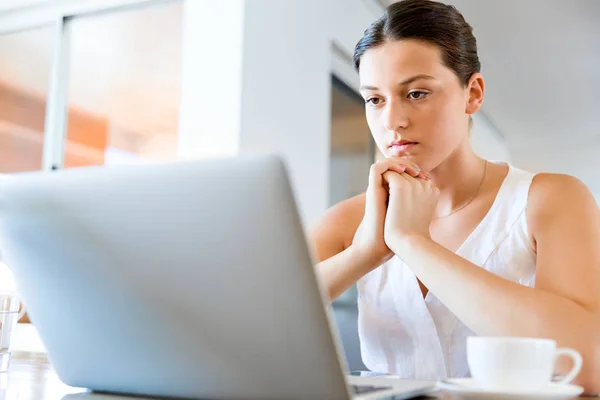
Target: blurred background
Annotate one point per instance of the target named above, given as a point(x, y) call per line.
point(105, 82)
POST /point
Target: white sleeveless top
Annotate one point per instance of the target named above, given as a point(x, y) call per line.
point(402, 333)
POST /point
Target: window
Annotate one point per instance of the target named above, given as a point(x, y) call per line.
point(352, 148)
point(352, 153)
point(25, 65)
point(124, 86)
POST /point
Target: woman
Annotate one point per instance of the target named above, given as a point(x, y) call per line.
point(444, 244)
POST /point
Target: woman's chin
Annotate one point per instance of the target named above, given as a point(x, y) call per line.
point(406, 155)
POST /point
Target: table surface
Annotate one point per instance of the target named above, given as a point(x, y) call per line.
point(31, 376)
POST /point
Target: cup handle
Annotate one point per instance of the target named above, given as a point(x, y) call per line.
point(577, 363)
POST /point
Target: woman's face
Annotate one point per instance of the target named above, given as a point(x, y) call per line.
point(416, 107)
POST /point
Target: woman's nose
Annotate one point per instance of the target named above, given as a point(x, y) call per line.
point(394, 117)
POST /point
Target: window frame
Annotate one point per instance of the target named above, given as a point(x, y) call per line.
point(59, 14)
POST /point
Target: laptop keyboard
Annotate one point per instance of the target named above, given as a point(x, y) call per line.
point(364, 389)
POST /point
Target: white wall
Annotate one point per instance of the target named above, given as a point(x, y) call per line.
point(286, 77)
point(253, 70)
point(256, 92)
point(6, 5)
point(286, 92)
point(348, 19)
point(210, 109)
point(487, 141)
point(581, 156)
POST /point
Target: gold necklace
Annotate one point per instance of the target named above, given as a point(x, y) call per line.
point(472, 197)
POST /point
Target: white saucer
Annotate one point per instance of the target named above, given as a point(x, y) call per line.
point(468, 389)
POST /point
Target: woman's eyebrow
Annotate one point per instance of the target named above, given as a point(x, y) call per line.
point(403, 83)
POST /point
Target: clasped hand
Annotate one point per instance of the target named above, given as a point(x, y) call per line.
point(400, 203)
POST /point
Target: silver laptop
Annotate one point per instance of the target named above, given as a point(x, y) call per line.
point(185, 280)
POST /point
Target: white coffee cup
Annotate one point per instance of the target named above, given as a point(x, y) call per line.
point(513, 364)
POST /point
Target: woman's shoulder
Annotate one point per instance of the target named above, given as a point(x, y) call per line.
point(557, 199)
point(345, 215)
point(551, 192)
point(341, 220)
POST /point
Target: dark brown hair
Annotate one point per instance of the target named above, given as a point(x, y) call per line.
point(432, 22)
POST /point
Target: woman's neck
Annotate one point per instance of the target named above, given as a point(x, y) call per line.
point(459, 177)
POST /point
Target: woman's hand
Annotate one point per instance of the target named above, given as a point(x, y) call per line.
point(411, 207)
point(369, 243)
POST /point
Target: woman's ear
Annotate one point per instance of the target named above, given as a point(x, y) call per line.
point(476, 93)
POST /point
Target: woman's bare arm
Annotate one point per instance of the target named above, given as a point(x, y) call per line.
point(338, 268)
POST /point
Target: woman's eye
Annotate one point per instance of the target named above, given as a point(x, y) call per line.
point(417, 95)
point(374, 101)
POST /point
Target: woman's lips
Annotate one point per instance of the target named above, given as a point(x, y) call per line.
point(402, 146)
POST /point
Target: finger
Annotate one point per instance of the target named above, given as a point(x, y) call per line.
point(393, 173)
point(429, 185)
point(398, 182)
point(375, 178)
point(391, 178)
point(412, 171)
point(400, 169)
point(400, 179)
point(423, 176)
point(407, 162)
point(415, 180)
point(379, 168)
point(389, 175)
point(400, 166)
